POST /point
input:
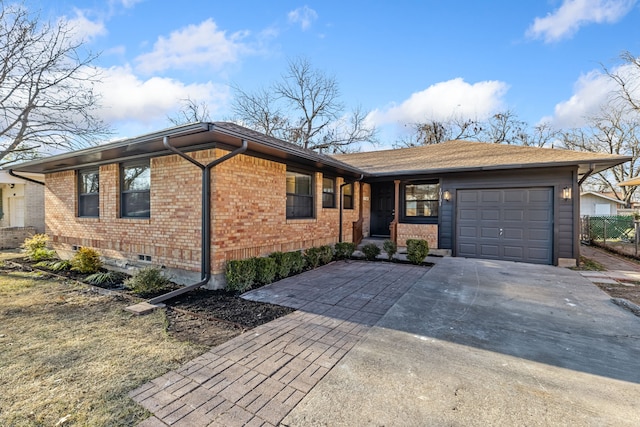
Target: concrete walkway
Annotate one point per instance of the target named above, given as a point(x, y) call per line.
point(618, 269)
point(258, 377)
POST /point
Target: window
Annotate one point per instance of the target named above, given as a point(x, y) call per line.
point(89, 193)
point(135, 189)
point(347, 196)
point(328, 193)
point(299, 195)
point(421, 200)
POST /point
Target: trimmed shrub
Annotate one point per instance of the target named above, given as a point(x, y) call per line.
point(417, 250)
point(283, 264)
point(265, 270)
point(326, 254)
point(240, 274)
point(370, 251)
point(146, 281)
point(312, 255)
point(344, 250)
point(35, 248)
point(390, 247)
point(86, 260)
point(297, 261)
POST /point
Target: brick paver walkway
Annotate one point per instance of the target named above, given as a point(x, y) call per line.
point(257, 378)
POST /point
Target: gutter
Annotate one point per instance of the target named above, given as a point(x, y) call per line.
point(12, 173)
point(205, 257)
point(341, 204)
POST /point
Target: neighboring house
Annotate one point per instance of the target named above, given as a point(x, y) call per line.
point(598, 204)
point(139, 201)
point(21, 208)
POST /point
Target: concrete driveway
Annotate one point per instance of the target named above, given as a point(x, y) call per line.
point(476, 342)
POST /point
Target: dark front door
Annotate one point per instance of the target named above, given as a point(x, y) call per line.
point(382, 201)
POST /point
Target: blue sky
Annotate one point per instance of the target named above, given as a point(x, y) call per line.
point(404, 61)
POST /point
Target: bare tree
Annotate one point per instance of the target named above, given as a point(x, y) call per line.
point(501, 128)
point(616, 130)
point(191, 111)
point(628, 83)
point(436, 131)
point(47, 100)
point(304, 108)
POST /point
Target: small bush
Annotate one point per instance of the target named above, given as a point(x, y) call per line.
point(240, 274)
point(147, 280)
point(106, 278)
point(86, 260)
point(417, 250)
point(283, 264)
point(54, 265)
point(319, 255)
point(326, 254)
point(35, 248)
point(390, 247)
point(313, 257)
point(370, 251)
point(265, 270)
point(344, 250)
point(297, 262)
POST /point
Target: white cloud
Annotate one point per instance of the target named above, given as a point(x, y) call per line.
point(304, 16)
point(202, 45)
point(444, 100)
point(591, 92)
point(565, 21)
point(126, 97)
point(84, 28)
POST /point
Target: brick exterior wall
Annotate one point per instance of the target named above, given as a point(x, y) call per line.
point(428, 232)
point(248, 202)
point(34, 206)
point(13, 237)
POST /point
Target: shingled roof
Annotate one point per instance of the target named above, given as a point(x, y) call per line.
point(459, 156)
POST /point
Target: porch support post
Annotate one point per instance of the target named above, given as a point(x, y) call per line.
point(396, 211)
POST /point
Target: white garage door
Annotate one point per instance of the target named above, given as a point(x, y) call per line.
point(514, 224)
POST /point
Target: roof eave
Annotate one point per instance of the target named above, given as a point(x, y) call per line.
point(599, 166)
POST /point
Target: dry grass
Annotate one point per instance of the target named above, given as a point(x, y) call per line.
point(68, 353)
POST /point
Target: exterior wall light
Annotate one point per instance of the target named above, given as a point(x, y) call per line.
point(446, 196)
point(566, 193)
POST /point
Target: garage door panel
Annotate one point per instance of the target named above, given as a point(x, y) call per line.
point(513, 233)
point(468, 231)
point(514, 196)
point(512, 224)
point(491, 251)
point(490, 215)
point(489, 232)
point(491, 196)
point(514, 215)
point(543, 215)
point(540, 195)
point(468, 214)
point(513, 253)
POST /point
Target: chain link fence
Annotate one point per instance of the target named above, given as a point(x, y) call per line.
point(616, 232)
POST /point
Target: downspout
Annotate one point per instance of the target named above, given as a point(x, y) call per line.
point(342, 207)
point(12, 173)
point(205, 257)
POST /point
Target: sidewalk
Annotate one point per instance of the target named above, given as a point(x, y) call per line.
point(618, 269)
